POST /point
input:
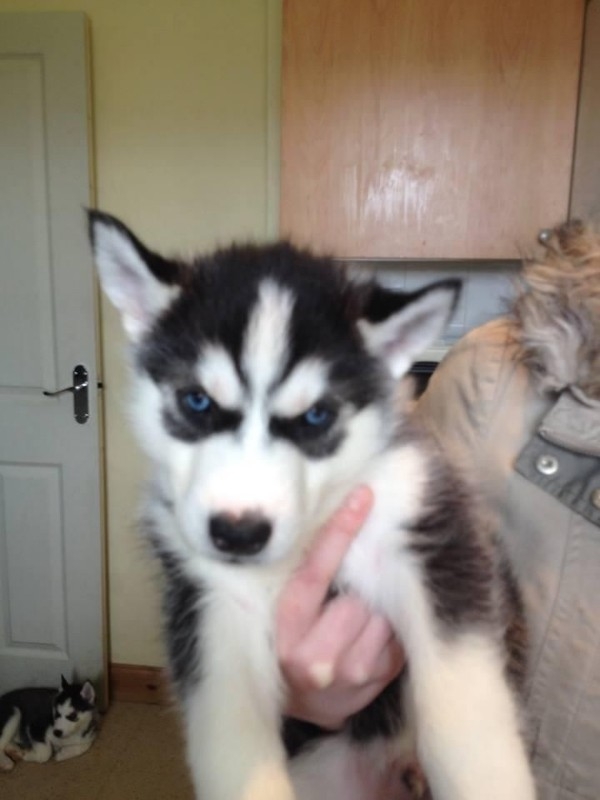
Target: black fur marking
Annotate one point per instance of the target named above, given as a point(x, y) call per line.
point(165, 270)
point(191, 427)
point(313, 441)
point(359, 379)
point(458, 567)
point(182, 601)
point(383, 717)
point(381, 304)
point(326, 307)
point(72, 692)
point(206, 312)
point(516, 636)
point(36, 706)
point(312, 447)
point(297, 734)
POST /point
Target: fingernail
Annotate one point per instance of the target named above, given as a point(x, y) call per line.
point(322, 674)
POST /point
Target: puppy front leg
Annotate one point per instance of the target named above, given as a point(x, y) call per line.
point(467, 726)
point(233, 714)
point(40, 752)
point(468, 736)
point(233, 751)
point(73, 750)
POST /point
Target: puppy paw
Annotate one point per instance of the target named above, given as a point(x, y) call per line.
point(15, 752)
point(6, 763)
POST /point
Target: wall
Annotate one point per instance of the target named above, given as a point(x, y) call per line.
point(183, 100)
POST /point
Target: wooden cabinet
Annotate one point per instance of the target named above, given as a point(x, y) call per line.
point(427, 128)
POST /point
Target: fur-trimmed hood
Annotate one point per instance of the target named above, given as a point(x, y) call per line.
point(557, 311)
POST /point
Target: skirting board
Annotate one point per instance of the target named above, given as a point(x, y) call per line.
point(132, 683)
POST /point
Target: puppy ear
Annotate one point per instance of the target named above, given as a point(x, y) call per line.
point(140, 283)
point(397, 326)
point(88, 693)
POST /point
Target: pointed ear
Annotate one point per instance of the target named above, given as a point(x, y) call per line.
point(139, 283)
point(397, 327)
point(64, 683)
point(88, 693)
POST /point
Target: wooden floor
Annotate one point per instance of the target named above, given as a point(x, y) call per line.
point(138, 755)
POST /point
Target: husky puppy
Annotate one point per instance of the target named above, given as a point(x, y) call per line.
point(38, 723)
point(263, 384)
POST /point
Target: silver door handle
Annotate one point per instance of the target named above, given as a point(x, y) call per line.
point(80, 387)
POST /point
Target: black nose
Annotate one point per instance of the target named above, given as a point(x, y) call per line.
point(239, 536)
point(57, 733)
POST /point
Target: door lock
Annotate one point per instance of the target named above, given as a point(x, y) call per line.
point(81, 383)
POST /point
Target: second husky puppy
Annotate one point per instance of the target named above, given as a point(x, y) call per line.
point(37, 724)
point(263, 391)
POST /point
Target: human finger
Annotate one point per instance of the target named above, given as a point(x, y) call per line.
point(302, 598)
point(313, 663)
point(375, 656)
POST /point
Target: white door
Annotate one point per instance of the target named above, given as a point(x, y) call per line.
point(51, 553)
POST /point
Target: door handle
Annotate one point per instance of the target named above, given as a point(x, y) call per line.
point(81, 383)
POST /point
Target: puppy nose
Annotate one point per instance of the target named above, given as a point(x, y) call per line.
point(239, 536)
point(57, 733)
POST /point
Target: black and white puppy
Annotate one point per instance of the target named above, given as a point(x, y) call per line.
point(263, 390)
point(37, 724)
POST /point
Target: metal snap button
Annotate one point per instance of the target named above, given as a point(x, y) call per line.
point(596, 498)
point(547, 464)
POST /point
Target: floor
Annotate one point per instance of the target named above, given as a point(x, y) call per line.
point(138, 755)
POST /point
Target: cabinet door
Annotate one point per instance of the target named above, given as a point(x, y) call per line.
point(427, 128)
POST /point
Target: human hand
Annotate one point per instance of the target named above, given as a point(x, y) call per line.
point(336, 657)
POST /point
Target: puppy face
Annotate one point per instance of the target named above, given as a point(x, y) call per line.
point(262, 383)
point(72, 711)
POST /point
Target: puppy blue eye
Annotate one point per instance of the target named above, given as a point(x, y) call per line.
point(198, 402)
point(318, 416)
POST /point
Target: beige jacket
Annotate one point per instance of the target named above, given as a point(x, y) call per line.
point(529, 437)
